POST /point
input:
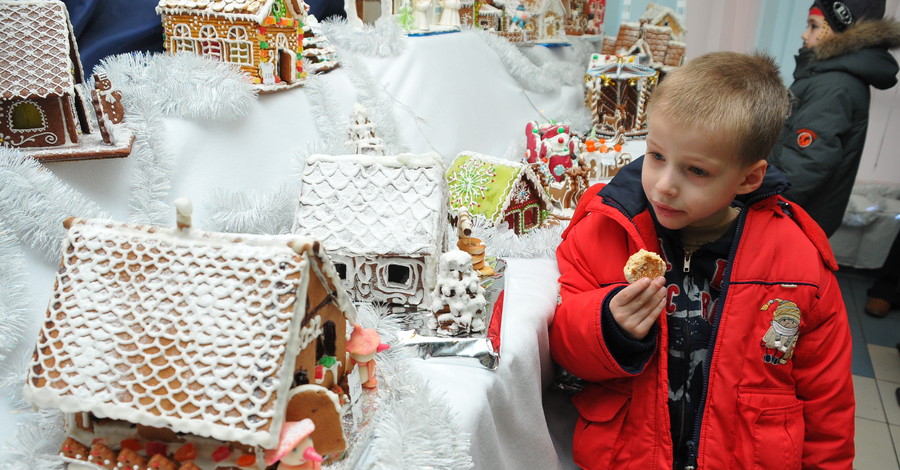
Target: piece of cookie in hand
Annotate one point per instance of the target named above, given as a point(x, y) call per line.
point(644, 264)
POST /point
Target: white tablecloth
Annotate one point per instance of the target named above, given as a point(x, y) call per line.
point(450, 93)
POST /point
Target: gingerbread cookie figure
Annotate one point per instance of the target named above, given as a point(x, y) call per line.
point(295, 449)
point(363, 344)
point(420, 15)
point(450, 13)
point(781, 337)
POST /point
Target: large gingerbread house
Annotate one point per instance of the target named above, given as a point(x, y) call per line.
point(497, 191)
point(192, 345)
point(45, 110)
point(383, 219)
point(263, 37)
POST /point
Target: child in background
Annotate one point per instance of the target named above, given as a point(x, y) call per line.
point(740, 356)
point(845, 51)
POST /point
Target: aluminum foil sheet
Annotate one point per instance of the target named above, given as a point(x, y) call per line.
point(475, 349)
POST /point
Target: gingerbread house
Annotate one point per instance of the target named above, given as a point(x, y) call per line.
point(180, 345)
point(263, 37)
point(45, 109)
point(617, 91)
point(497, 191)
point(656, 37)
point(660, 15)
point(383, 219)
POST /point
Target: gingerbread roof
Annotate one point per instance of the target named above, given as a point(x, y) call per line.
point(192, 331)
point(619, 68)
point(233, 10)
point(374, 205)
point(488, 185)
point(36, 50)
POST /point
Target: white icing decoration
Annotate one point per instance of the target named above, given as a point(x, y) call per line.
point(213, 317)
point(310, 331)
point(458, 288)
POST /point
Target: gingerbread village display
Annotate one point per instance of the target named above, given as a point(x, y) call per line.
point(268, 39)
point(177, 348)
point(46, 108)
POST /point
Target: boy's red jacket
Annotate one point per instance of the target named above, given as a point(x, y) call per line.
point(799, 414)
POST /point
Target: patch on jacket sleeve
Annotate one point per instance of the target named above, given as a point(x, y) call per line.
point(781, 337)
point(805, 138)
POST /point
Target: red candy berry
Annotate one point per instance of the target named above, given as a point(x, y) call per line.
point(221, 453)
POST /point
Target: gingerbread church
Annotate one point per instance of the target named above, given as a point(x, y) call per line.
point(183, 347)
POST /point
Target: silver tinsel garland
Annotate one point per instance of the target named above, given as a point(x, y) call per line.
point(384, 39)
point(13, 293)
point(253, 212)
point(541, 79)
point(34, 203)
point(371, 94)
point(155, 86)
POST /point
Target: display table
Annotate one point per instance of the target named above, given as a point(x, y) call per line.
point(446, 93)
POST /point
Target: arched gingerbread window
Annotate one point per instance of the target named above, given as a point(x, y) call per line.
point(209, 42)
point(27, 116)
point(181, 39)
point(240, 49)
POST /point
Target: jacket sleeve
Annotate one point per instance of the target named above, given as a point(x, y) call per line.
point(825, 385)
point(587, 265)
point(823, 115)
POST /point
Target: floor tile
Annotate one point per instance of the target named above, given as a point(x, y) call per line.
point(888, 391)
point(882, 331)
point(874, 446)
point(862, 363)
point(895, 435)
point(886, 362)
point(868, 399)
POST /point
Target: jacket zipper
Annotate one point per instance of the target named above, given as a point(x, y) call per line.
point(694, 443)
point(687, 261)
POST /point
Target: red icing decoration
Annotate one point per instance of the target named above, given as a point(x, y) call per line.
point(186, 452)
point(221, 453)
point(154, 448)
point(132, 444)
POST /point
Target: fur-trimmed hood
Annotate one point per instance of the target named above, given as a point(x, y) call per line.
point(861, 50)
point(866, 33)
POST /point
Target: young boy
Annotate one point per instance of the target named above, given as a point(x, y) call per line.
point(740, 356)
point(845, 51)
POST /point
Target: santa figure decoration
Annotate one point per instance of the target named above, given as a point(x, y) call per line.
point(295, 449)
point(363, 344)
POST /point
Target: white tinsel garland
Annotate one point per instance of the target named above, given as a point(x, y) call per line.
point(253, 212)
point(504, 243)
point(34, 203)
point(540, 79)
point(384, 39)
point(413, 428)
point(331, 126)
point(13, 293)
point(371, 94)
point(569, 73)
point(155, 86)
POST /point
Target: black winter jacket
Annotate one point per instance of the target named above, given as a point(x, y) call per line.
point(821, 144)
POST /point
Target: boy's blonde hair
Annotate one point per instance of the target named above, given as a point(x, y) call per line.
point(738, 98)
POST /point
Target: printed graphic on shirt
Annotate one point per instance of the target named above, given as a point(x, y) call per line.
point(805, 138)
point(781, 337)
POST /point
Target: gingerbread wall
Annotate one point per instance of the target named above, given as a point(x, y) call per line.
point(54, 115)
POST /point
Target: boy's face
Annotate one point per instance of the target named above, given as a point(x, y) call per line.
point(816, 31)
point(690, 177)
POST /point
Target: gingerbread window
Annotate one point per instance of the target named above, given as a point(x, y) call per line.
point(182, 40)
point(27, 116)
point(240, 50)
point(398, 274)
point(209, 42)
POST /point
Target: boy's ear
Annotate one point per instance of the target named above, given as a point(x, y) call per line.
point(753, 177)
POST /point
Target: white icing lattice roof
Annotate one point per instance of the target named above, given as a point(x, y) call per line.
point(374, 205)
point(193, 331)
point(35, 45)
point(248, 10)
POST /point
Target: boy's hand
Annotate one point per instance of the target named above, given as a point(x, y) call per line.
point(636, 307)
